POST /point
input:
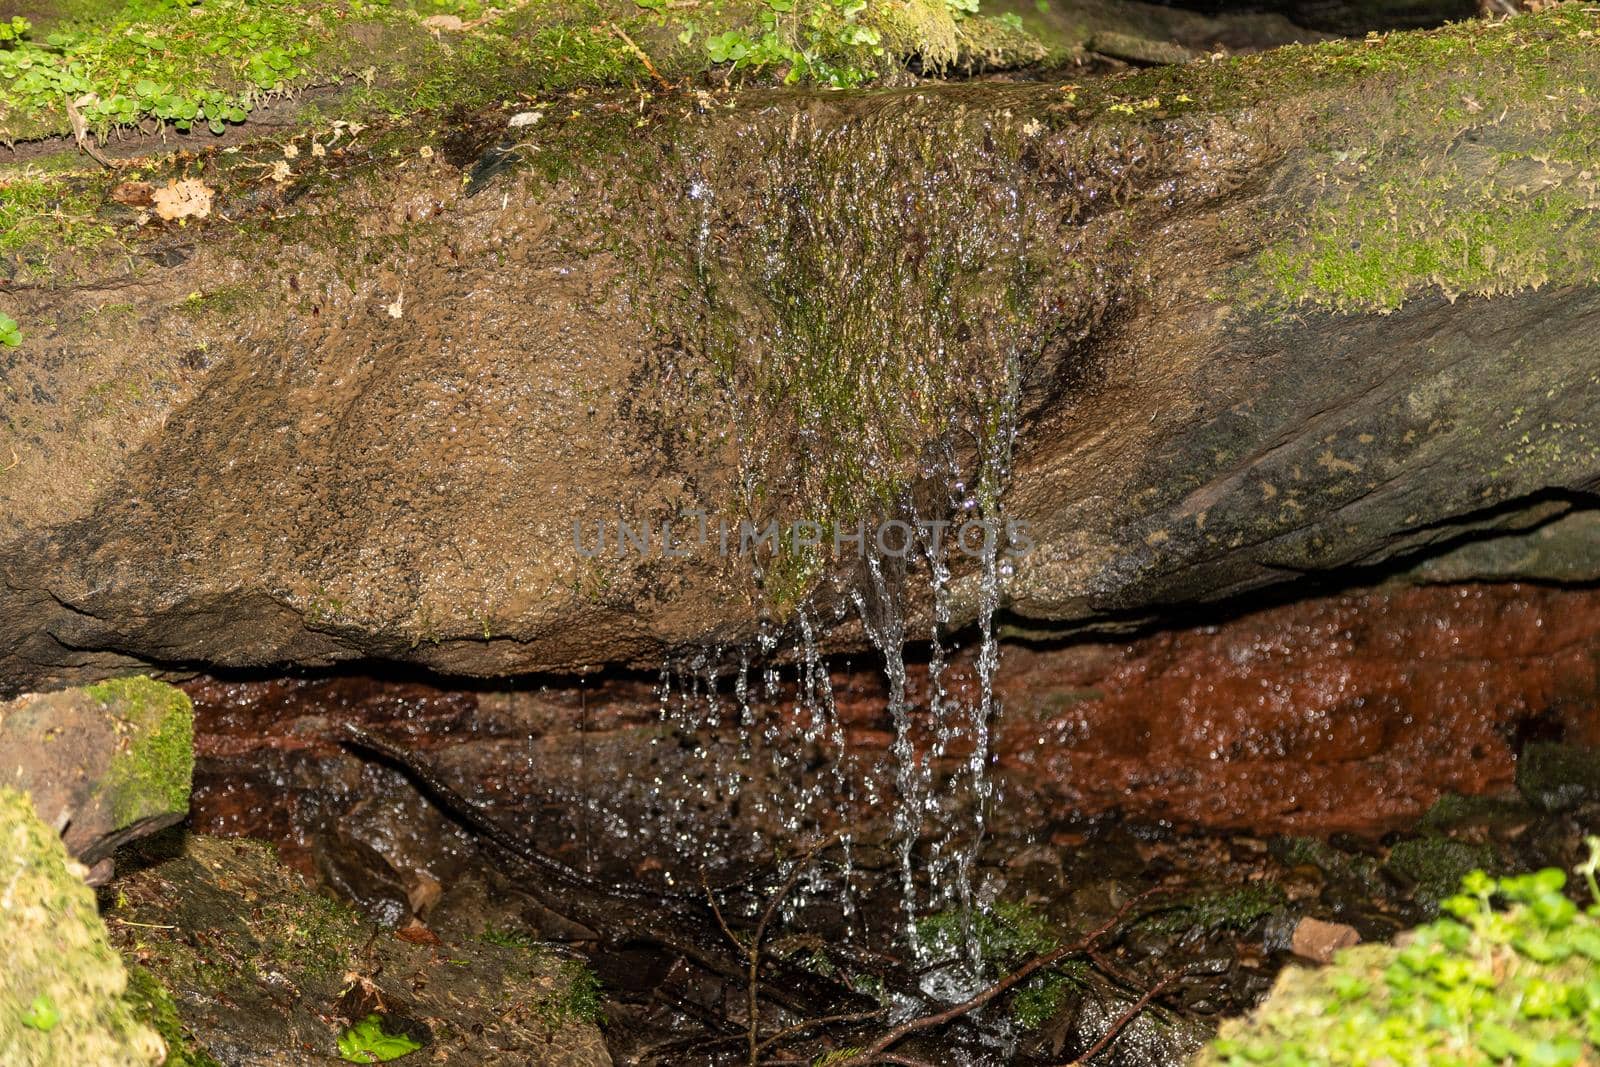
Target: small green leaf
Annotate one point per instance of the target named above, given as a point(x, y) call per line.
point(366, 1042)
point(41, 1014)
point(10, 334)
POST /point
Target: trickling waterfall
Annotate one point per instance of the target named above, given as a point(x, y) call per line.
point(867, 316)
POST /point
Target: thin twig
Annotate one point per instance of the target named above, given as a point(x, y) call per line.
point(821, 1020)
point(800, 866)
point(1127, 1017)
point(877, 1052)
point(637, 51)
point(80, 133)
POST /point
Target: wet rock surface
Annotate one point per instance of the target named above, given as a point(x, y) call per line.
point(1221, 766)
point(265, 464)
point(1231, 908)
point(1347, 713)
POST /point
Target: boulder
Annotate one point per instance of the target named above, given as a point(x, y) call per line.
point(103, 764)
point(1323, 310)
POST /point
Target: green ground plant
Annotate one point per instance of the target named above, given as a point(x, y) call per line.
point(1006, 933)
point(1507, 977)
point(368, 1042)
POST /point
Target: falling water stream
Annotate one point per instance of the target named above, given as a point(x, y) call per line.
point(869, 324)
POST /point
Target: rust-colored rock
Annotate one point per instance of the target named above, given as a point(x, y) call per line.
point(1348, 712)
point(1352, 712)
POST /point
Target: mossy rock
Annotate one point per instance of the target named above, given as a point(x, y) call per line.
point(62, 984)
point(217, 64)
point(1435, 865)
point(151, 772)
point(109, 762)
point(1556, 777)
point(790, 305)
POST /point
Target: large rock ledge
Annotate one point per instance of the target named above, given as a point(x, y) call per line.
point(1323, 308)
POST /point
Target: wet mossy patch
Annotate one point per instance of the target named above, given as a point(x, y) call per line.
point(1555, 777)
point(1435, 865)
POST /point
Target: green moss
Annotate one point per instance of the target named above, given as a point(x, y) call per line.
point(866, 317)
point(509, 938)
point(571, 994)
point(1477, 176)
point(1376, 246)
point(1437, 864)
point(151, 772)
point(62, 985)
point(1507, 979)
point(226, 300)
point(1003, 932)
point(153, 1005)
point(40, 214)
point(578, 997)
point(1232, 908)
point(312, 934)
point(1555, 777)
point(1006, 934)
point(1037, 1000)
point(1529, 52)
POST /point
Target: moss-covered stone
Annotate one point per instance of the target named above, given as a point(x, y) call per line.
point(151, 772)
point(213, 64)
point(1555, 777)
point(62, 984)
point(1436, 864)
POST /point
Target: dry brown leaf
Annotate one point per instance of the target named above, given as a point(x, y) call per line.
point(186, 199)
point(443, 22)
point(417, 934)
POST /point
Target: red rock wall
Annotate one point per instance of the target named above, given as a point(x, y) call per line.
point(1351, 712)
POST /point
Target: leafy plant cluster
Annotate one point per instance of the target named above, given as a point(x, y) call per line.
point(803, 40)
point(1507, 977)
point(831, 42)
point(208, 64)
